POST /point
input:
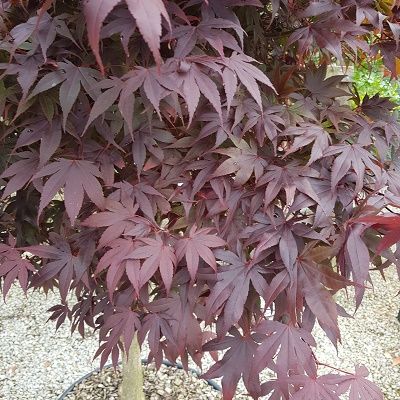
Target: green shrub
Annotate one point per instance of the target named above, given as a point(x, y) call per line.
point(369, 79)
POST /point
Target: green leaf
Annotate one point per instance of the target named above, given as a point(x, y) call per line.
point(47, 106)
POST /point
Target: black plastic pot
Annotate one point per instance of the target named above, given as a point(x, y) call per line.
point(144, 361)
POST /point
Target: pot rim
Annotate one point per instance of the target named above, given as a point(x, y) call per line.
point(144, 361)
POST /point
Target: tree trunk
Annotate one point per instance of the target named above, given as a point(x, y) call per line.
point(132, 374)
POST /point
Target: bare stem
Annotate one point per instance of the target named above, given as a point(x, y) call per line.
point(132, 374)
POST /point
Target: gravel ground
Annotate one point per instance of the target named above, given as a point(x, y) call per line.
point(372, 337)
point(168, 383)
point(37, 363)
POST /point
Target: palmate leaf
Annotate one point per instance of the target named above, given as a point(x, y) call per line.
point(117, 261)
point(13, 266)
point(243, 162)
point(156, 326)
point(315, 388)
point(377, 107)
point(148, 16)
point(286, 346)
point(157, 255)
point(231, 289)
point(284, 237)
point(305, 135)
point(189, 77)
point(322, 34)
point(149, 140)
point(322, 87)
point(42, 30)
point(236, 362)
point(265, 123)
point(248, 74)
point(147, 197)
point(154, 86)
point(59, 313)
point(360, 387)
point(122, 23)
point(120, 219)
point(187, 335)
point(124, 255)
point(105, 100)
point(20, 172)
point(27, 69)
point(63, 264)
point(198, 245)
point(120, 326)
point(208, 30)
point(76, 177)
point(48, 133)
point(291, 178)
point(74, 78)
point(319, 299)
point(269, 232)
point(389, 224)
point(327, 200)
point(81, 315)
point(352, 156)
point(204, 85)
point(324, 387)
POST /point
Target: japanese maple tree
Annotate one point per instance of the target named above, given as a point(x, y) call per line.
point(182, 167)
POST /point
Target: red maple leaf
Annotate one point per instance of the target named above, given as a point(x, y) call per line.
point(390, 227)
point(13, 266)
point(157, 255)
point(76, 177)
point(198, 245)
point(236, 362)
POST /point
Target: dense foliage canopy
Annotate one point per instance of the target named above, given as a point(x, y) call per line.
point(181, 167)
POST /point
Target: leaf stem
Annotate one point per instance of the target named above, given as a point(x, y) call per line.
point(336, 369)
